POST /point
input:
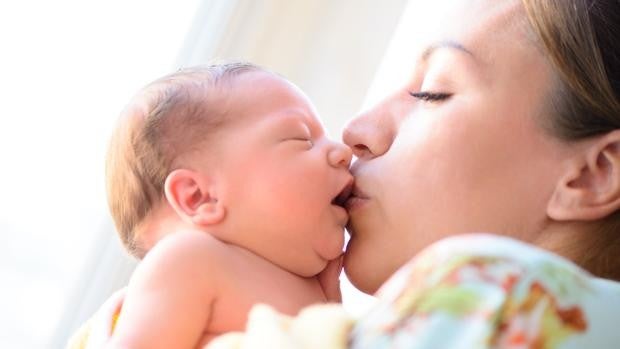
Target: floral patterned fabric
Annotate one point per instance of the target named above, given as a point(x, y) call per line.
point(485, 291)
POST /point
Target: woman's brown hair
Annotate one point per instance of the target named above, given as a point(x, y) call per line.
point(581, 39)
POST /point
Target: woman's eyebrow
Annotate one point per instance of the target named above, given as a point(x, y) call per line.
point(428, 52)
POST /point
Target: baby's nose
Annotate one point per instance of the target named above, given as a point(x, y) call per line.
point(340, 155)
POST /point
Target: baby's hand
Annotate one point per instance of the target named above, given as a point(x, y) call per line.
point(102, 323)
point(329, 279)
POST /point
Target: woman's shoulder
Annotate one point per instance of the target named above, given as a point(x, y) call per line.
point(488, 291)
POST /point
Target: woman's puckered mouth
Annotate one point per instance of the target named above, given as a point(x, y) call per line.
point(357, 198)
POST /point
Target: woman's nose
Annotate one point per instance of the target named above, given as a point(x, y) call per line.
point(370, 134)
point(340, 155)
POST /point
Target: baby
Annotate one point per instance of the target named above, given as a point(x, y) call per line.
point(222, 179)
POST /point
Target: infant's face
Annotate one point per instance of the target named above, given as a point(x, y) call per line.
point(281, 176)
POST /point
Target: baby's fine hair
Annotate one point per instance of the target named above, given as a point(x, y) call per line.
point(167, 118)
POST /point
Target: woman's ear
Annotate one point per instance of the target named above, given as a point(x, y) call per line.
point(193, 196)
point(590, 188)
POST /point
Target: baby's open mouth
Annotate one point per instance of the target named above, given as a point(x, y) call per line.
point(344, 194)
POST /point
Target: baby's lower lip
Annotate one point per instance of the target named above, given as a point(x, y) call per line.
point(343, 215)
point(354, 202)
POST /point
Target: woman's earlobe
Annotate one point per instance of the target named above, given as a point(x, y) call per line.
point(590, 189)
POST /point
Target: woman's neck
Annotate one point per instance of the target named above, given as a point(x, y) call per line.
point(594, 247)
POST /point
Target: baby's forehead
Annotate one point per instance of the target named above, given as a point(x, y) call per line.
point(197, 86)
point(197, 101)
point(274, 102)
point(224, 92)
point(262, 87)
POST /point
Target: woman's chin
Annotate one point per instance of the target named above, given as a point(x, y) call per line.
point(358, 274)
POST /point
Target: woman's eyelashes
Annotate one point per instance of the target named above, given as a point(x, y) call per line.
point(429, 96)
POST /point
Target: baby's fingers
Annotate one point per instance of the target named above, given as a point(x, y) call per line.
point(329, 279)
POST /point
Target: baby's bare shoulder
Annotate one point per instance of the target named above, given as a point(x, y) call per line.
point(188, 241)
point(183, 253)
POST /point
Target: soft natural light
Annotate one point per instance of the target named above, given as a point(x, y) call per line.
point(66, 70)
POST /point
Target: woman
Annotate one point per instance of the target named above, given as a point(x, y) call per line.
point(500, 129)
point(509, 122)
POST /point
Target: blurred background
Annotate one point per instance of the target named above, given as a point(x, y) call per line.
point(66, 70)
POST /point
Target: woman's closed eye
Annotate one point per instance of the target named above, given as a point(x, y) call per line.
point(429, 96)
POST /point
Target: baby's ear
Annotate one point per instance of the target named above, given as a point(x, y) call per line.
point(193, 197)
point(590, 187)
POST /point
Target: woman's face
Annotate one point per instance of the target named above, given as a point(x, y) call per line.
point(457, 147)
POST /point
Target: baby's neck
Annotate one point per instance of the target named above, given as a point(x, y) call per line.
point(159, 225)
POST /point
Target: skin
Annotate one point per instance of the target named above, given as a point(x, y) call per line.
point(255, 223)
point(474, 161)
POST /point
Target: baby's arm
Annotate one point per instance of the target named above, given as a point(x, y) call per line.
point(170, 295)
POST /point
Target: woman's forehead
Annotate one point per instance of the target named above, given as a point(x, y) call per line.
point(478, 26)
point(481, 27)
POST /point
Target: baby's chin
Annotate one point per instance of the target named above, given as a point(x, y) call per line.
point(309, 270)
point(332, 249)
point(316, 261)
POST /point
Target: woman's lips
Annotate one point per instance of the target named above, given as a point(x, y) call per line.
point(356, 200)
